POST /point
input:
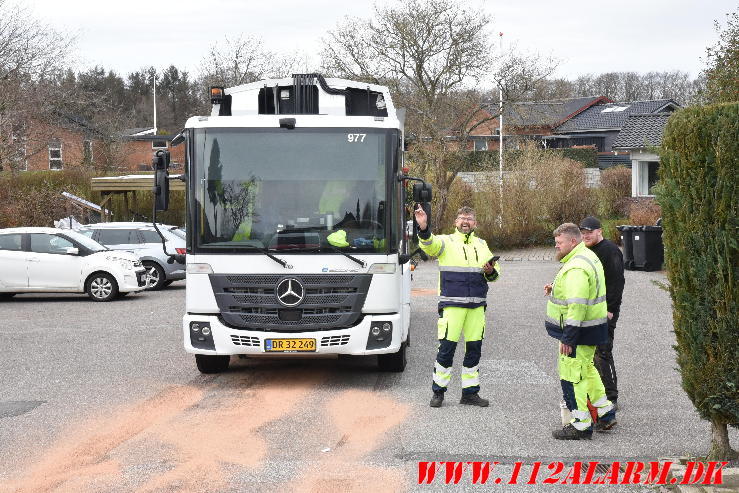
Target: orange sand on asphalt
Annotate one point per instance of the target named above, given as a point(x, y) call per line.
point(84, 457)
point(423, 292)
point(363, 420)
point(183, 439)
point(226, 431)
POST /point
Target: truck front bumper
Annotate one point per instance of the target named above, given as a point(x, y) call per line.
point(223, 340)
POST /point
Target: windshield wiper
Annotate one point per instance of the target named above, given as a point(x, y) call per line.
point(351, 257)
point(266, 252)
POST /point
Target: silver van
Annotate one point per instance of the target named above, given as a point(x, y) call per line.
point(143, 240)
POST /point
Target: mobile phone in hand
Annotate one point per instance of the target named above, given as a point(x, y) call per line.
point(494, 259)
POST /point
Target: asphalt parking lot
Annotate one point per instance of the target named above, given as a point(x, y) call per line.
point(101, 397)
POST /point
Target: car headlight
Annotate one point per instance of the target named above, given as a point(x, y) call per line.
point(122, 263)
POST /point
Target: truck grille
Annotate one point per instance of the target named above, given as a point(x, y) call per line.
point(329, 301)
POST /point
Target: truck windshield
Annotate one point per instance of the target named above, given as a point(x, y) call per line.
point(291, 190)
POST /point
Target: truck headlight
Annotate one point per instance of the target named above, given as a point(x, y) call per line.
point(199, 269)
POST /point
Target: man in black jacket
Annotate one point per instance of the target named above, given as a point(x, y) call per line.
point(613, 267)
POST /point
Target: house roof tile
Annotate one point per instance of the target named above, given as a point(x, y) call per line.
point(642, 130)
point(613, 115)
point(549, 113)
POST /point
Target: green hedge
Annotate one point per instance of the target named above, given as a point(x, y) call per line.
point(698, 195)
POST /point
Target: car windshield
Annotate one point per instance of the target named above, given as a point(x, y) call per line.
point(299, 189)
point(86, 242)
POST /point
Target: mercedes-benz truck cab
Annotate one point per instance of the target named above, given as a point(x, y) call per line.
point(296, 238)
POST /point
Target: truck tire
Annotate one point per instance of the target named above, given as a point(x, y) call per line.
point(155, 276)
point(101, 286)
point(212, 364)
point(393, 361)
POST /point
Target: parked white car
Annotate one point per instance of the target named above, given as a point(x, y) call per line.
point(50, 260)
point(142, 240)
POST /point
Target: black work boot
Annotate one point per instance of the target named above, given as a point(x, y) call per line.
point(569, 432)
point(474, 400)
point(437, 399)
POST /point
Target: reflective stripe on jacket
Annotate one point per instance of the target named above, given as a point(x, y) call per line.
point(576, 310)
point(462, 281)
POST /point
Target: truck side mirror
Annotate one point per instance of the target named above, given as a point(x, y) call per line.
point(160, 163)
point(421, 192)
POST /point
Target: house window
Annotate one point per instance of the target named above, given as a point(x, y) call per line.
point(55, 155)
point(647, 177)
point(481, 144)
point(158, 144)
point(87, 151)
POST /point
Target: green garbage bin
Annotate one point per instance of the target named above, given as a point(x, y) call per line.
point(649, 253)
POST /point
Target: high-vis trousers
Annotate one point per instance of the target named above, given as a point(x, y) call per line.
point(453, 323)
point(580, 380)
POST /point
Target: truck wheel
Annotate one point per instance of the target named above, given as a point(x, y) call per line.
point(212, 364)
point(393, 361)
point(102, 287)
point(155, 277)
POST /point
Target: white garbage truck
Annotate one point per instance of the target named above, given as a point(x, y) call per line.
point(296, 223)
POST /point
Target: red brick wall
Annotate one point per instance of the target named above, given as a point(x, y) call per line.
point(38, 139)
point(137, 154)
point(127, 156)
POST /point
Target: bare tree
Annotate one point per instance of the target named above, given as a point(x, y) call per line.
point(30, 53)
point(434, 55)
point(243, 60)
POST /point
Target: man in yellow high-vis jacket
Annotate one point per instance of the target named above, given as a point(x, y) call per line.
point(577, 317)
point(464, 271)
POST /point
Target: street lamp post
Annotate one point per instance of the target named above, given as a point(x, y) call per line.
point(500, 142)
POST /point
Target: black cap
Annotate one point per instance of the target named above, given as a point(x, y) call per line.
point(590, 223)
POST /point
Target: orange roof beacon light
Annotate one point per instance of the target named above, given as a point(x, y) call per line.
point(216, 94)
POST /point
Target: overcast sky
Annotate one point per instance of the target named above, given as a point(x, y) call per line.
point(587, 36)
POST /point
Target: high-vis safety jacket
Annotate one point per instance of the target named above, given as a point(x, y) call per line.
point(576, 311)
point(462, 281)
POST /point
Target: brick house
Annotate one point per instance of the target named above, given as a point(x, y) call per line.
point(73, 143)
point(640, 136)
point(525, 121)
point(139, 144)
point(38, 146)
point(599, 126)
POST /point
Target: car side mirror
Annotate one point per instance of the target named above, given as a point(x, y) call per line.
point(72, 251)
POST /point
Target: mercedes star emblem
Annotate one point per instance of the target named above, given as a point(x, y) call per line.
point(290, 292)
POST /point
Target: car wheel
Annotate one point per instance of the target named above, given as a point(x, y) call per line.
point(102, 287)
point(155, 278)
point(6, 296)
point(393, 361)
point(212, 364)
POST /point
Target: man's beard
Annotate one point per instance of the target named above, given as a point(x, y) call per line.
point(560, 255)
